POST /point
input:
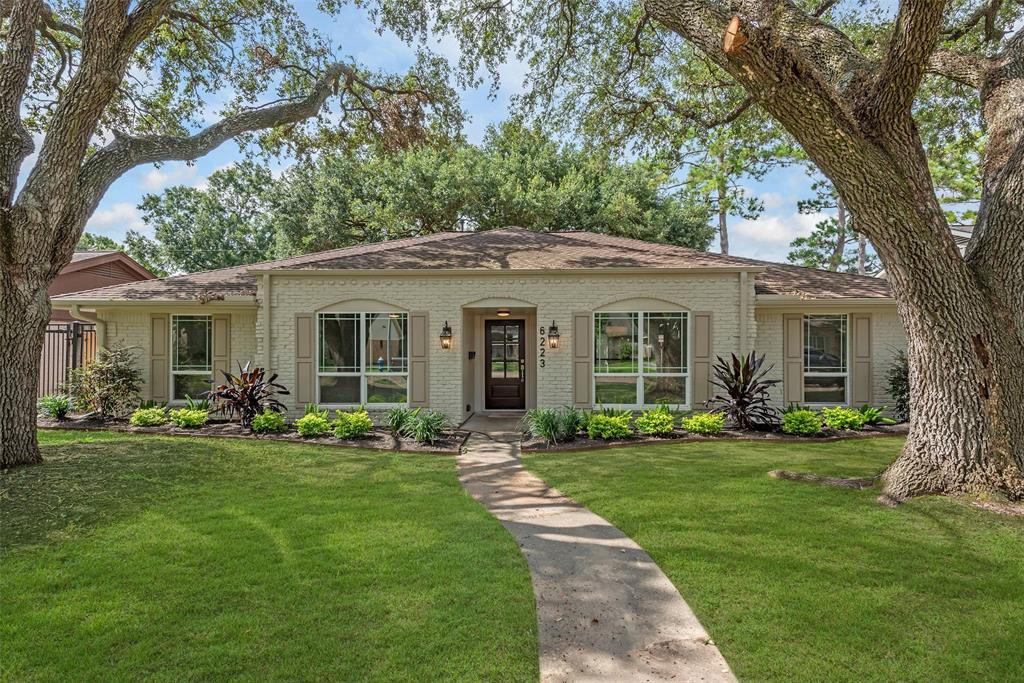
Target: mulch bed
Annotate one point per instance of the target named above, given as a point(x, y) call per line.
point(449, 443)
point(583, 442)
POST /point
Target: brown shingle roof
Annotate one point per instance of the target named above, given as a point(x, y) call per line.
point(502, 250)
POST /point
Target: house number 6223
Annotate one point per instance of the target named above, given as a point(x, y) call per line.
point(543, 347)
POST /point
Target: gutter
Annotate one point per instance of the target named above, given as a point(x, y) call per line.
point(101, 326)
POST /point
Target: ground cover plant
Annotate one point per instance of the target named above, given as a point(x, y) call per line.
point(800, 582)
point(188, 417)
point(425, 427)
point(313, 424)
point(843, 419)
point(708, 424)
point(269, 422)
point(149, 417)
point(56, 406)
point(801, 422)
point(132, 557)
point(352, 425)
point(656, 422)
point(609, 426)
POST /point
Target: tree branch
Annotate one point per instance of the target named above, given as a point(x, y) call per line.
point(913, 40)
point(989, 11)
point(15, 69)
point(959, 67)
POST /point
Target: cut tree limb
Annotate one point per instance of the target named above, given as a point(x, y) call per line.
point(843, 482)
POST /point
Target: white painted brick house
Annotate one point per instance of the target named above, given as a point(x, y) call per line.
point(465, 322)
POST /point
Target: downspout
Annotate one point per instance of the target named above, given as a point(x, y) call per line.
point(101, 326)
point(267, 330)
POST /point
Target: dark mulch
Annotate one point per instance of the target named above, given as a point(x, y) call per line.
point(380, 439)
point(583, 442)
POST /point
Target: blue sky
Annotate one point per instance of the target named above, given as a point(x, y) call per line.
point(767, 237)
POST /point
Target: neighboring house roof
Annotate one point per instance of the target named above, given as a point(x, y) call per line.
point(962, 235)
point(82, 260)
point(502, 250)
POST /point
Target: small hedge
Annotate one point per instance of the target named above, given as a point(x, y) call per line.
point(56, 406)
point(312, 425)
point(704, 423)
point(844, 419)
point(657, 422)
point(189, 417)
point(269, 423)
point(608, 427)
point(352, 425)
point(801, 422)
point(149, 417)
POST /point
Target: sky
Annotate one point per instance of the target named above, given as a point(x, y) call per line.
point(767, 237)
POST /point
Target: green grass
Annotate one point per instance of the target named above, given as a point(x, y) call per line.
point(797, 582)
point(133, 557)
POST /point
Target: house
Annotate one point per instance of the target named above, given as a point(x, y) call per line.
point(92, 269)
point(507, 319)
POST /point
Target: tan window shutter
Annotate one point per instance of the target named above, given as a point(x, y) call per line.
point(159, 357)
point(582, 359)
point(305, 375)
point(703, 357)
point(793, 358)
point(419, 390)
point(860, 326)
point(221, 346)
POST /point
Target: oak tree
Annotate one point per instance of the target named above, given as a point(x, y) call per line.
point(107, 85)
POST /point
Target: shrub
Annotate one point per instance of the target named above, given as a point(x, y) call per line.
point(197, 403)
point(108, 385)
point(609, 427)
point(352, 425)
point(802, 422)
point(149, 417)
point(897, 377)
point(793, 407)
point(616, 412)
point(269, 422)
point(425, 427)
point(56, 406)
point(397, 418)
point(656, 422)
point(574, 421)
point(745, 401)
point(248, 394)
point(312, 425)
point(189, 417)
point(314, 408)
point(704, 423)
point(843, 418)
point(545, 423)
point(872, 415)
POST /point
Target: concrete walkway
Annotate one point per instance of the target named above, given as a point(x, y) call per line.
point(605, 611)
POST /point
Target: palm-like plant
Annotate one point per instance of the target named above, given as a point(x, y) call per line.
point(745, 398)
point(247, 394)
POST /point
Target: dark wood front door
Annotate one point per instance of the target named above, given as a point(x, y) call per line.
point(505, 379)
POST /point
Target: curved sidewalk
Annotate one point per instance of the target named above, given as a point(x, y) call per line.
point(605, 611)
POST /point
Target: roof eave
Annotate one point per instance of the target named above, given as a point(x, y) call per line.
point(506, 272)
point(795, 301)
point(232, 302)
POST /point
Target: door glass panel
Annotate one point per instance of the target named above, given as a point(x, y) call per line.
point(497, 369)
point(498, 352)
point(512, 370)
point(512, 351)
point(498, 333)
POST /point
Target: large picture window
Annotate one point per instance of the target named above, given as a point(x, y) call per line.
point(362, 359)
point(825, 354)
point(640, 359)
point(191, 355)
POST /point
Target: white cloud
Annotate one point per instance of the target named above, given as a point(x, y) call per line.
point(116, 219)
point(773, 200)
point(176, 173)
point(768, 237)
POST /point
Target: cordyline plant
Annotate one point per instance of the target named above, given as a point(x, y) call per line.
point(745, 401)
point(247, 394)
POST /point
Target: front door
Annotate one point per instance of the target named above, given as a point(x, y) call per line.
point(505, 381)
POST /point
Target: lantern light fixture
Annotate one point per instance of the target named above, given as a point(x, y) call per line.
point(553, 337)
point(446, 336)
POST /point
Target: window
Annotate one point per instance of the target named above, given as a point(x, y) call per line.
point(362, 359)
point(640, 358)
point(825, 369)
point(191, 355)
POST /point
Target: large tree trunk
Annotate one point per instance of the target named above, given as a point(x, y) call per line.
point(24, 312)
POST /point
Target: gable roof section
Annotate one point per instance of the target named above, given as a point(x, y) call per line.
point(82, 260)
point(503, 250)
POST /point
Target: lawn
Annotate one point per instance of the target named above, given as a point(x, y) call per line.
point(136, 557)
point(797, 582)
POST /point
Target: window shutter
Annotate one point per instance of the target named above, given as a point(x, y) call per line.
point(221, 345)
point(860, 325)
point(703, 355)
point(793, 358)
point(305, 376)
point(582, 359)
point(419, 394)
point(159, 357)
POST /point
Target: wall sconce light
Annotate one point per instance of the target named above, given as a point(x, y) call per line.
point(446, 336)
point(504, 313)
point(553, 336)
